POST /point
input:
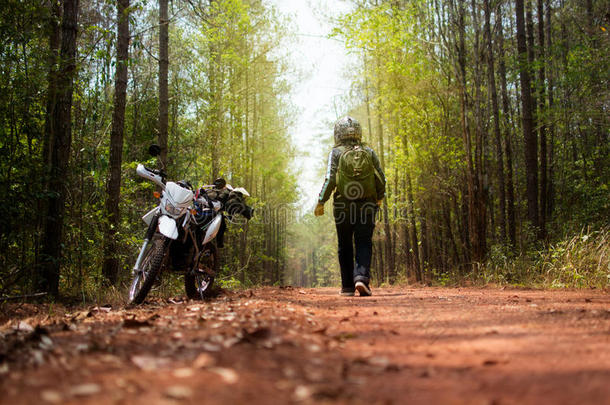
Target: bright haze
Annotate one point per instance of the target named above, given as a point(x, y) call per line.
point(319, 86)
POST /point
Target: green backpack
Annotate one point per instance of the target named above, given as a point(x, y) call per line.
point(356, 174)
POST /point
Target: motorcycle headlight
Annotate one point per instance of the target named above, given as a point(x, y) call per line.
point(171, 210)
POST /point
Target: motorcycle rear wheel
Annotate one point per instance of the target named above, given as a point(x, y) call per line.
point(149, 269)
point(198, 283)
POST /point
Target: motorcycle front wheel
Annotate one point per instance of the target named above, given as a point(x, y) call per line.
point(149, 269)
point(198, 282)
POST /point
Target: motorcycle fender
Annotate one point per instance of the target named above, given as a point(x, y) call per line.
point(167, 227)
point(149, 215)
point(212, 229)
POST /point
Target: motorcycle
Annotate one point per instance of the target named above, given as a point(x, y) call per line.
point(183, 231)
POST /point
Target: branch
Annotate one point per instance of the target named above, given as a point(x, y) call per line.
point(18, 297)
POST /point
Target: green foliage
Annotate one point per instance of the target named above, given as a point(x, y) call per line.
point(228, 117)
point(230, 114)
point(409, 91)
point(312, 251)
point(580, 261)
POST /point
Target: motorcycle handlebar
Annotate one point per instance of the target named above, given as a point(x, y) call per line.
point(157, 172)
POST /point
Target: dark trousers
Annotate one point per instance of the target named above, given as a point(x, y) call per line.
point(355, 224)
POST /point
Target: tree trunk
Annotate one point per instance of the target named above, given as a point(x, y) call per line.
point(454, 248)
point(542, 120)
point(529, 136)
point(49, 128)
point(59, 151)
point(480, 192)
point(54, 43)
point(163, 78)
point(110, 268)
point(414, 242)
point(551, 132)
point(496, 122)
point(424, 248)
point(473, 231)
point(510, 189)
point(386, 222)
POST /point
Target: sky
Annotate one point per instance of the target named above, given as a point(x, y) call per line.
point(318, 88)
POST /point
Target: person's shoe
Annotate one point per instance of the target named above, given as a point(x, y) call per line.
point(363, 289)
point(347, 292)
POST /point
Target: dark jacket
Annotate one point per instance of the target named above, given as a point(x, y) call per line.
point(330, 181)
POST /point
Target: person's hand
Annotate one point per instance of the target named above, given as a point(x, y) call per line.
point(319, 210)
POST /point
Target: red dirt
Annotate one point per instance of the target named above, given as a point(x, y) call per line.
point(403, 345)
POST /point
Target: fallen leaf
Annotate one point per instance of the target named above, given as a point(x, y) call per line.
point(228, 375)
point(379, 361)
point(176, 301)
point(149, 363)
point(178, 392)
point(230, 342)
point(45, 343)
point(82, 347)
point(184, 372)
point(314, 348)
point(23, 326)
point(302, 392)
point(344, 336)
point(328, 392)
point(85, 390)
point(204, 360)
point(134, 323)
point(51, 396)
point(69, 326)
point(209, 347)
point(81, 315)
point(38, 357)
point(256, 334)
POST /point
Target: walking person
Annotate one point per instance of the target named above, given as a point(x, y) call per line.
point(358, 182)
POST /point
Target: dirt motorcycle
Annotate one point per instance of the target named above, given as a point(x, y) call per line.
point(183, 232)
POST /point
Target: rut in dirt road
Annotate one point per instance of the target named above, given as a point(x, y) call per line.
point(403, 345)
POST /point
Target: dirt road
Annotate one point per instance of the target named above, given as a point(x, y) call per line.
point(290, 345)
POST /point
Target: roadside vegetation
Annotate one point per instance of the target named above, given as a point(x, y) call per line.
point(490, 118)
point(219, 107)
point(491, 122)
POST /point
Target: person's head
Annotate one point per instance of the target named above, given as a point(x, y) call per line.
point(347, 130)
